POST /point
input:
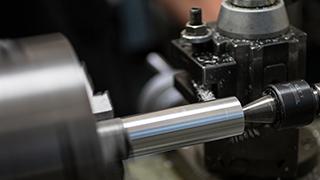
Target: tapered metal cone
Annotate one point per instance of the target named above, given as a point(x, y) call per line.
point(261, 111)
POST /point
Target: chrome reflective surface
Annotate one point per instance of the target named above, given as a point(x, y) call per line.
point(253, 23)
point(183, 126)
point(47, 129)
point(262, 110)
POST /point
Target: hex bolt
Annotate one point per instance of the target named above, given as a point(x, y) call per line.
point(196, 31)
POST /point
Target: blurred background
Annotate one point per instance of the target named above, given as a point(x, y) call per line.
point(114, 37)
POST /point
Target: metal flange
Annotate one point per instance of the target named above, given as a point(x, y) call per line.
point(253, 3)
point(253, 23)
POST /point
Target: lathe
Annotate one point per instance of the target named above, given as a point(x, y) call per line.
point(242, 79)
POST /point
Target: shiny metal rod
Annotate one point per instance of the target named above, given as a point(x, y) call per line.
point(183, 126)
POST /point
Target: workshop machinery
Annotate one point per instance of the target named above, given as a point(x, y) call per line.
point(243, 79)
point(251, 45)
point(53, 127)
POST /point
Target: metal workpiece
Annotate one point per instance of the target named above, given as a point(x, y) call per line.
point(183, 126)
point(253, 23)
point(113, 131)
point(115, 149)
point(47, 127)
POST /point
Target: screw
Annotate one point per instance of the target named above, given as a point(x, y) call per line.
point(195, 16)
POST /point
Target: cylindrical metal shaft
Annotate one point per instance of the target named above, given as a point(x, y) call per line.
point(183, 126)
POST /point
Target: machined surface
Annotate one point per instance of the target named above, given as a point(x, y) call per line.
point(263, 110)
point(296, 103)
point(114, 146)
point(253, 23)
point(186, 163)
point(182, 126)
point(47, 129)
point(253, 3)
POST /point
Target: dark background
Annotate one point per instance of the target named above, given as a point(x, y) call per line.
point(114, 38)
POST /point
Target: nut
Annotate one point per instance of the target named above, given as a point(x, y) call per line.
point(198, 30)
